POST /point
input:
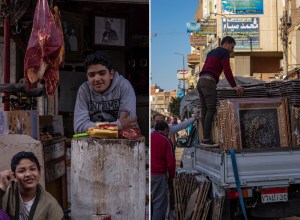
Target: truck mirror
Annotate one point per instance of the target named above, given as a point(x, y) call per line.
point(181, 142)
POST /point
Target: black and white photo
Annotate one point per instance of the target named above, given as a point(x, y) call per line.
point(110, 31)
point(73, 35)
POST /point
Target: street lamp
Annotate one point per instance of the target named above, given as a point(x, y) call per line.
point(182, 71)
point(225, 20)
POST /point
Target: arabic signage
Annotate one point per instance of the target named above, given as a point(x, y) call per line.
point(208, 26)
point(245, 31)
point(242, 7)
point(192, 27)
point(198, 40)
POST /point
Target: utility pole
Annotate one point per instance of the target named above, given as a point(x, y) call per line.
point(284, 37)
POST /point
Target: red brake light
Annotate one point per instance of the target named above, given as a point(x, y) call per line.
point(233, 194)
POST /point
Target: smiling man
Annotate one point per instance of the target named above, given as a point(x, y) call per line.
point(106, 97)
point(21, 195)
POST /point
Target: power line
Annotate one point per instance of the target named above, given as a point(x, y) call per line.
point(172, 33)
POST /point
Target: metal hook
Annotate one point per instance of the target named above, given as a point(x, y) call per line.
point(51, 4)
point(18, 29)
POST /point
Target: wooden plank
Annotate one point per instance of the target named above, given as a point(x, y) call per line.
point(217, 208)
point(54, 151)
point(55, 169)
point(206, 209)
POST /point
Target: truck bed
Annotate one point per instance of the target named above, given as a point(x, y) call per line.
point(257, 167)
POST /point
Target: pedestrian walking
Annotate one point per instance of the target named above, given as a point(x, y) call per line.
point(163, 167)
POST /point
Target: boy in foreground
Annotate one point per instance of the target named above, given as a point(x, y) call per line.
point(21, 195)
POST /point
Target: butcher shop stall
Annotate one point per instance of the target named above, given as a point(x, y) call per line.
point(43, 44)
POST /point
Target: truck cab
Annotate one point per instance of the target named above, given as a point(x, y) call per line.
point(188, 143)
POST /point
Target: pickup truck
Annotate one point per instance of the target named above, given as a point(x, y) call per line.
point(269, 178)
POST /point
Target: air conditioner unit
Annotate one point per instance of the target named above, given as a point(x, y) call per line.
point(289, 20)
point(281, 63)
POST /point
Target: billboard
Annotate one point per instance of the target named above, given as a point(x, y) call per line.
point(192, 27)
point(242, 7)
point(245, 31)
point(183, 74)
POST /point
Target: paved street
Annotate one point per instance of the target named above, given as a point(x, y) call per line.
point(178, 153)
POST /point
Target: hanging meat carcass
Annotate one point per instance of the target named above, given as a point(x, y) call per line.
point(45, 49)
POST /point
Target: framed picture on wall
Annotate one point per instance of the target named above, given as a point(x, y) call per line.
point(110, 31)
point(72, 26)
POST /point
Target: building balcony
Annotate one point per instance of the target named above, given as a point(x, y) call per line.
point(193, 59)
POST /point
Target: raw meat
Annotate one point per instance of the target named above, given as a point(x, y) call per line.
point(45, 52)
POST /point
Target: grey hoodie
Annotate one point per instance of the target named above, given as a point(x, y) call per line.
point(92, 107)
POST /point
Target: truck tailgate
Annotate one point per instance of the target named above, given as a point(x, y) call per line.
point(256, 168)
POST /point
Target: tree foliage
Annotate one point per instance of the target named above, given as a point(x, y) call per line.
point(174, 106)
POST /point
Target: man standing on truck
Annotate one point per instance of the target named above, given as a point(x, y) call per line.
point(217, 61)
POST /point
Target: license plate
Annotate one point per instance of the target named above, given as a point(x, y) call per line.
point(274, 195)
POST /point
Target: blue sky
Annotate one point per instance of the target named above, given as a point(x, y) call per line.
point(169, 36)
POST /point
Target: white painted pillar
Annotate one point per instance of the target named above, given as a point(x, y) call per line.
point(108, 178)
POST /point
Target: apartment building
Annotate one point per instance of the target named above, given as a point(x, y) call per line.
point(161, 99)
point(258, 28)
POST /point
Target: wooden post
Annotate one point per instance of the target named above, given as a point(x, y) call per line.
point(6, 61)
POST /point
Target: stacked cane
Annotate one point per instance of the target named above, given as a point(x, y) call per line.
point(217, 207)
point(191, 190)
point(291, 89)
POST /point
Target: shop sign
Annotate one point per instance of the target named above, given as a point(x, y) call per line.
point(243, 7)
point(198, 40)
point(192, 27)
point(208, 26)
point(245, 31)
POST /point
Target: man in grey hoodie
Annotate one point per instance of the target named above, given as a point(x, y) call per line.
point(106, 97)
